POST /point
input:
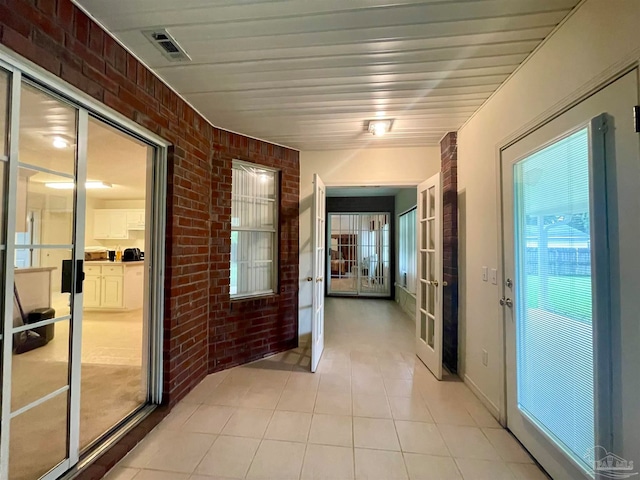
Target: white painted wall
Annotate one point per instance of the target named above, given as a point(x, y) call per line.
point(374, 166)
point(598, 40)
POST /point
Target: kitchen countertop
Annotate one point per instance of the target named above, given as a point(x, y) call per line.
point(107, 262)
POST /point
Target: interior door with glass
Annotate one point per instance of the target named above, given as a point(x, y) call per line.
point(556, 295)
point(43, 279)
point(319, 251)
point(430, 284)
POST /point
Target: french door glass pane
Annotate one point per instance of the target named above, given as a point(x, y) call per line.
point(553, 293)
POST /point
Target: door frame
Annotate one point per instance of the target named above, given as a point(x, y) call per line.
point(19, 69)
point(592, 87)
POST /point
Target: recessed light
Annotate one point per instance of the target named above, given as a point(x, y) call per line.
point(379, 127)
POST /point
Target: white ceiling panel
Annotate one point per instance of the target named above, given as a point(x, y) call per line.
point(309, 74)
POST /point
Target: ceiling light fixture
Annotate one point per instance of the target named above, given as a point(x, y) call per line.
point(91, 185)
point(379, 127)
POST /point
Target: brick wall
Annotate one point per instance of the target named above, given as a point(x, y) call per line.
point(203, 330)
point(449, 168)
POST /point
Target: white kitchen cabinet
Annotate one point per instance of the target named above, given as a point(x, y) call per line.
point(112, 291)
point(91, 287)
point(110, 224)
point(135, 219)
point(113, 286)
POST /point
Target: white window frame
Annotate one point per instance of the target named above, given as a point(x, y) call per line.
point(404, 245)
point(274, 232)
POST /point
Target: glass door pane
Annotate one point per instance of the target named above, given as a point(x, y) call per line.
point(343, 254)
point(554, 335)
point(43, 281)
point(114, 316)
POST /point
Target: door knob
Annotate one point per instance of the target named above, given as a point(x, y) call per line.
point(434, 283)
point(319, 279)
point(506, 301)
point(309, 279)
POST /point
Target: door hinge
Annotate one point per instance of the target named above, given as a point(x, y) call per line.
point(636, 118)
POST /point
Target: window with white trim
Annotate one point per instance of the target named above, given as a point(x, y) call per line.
point(408, 264)
point(254, 221)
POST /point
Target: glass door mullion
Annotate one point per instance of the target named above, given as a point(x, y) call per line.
point(78, 259)
point(11, 200)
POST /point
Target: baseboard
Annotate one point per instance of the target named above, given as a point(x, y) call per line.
point(493, 409)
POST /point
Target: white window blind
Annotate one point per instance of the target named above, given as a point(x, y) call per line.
point(254, 207)
point(554, 334)
point(407, 249)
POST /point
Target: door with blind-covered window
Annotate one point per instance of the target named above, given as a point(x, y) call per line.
point(559, 198)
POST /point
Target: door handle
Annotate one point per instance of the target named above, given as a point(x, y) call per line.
point(434, 283)
point(506, 301)
point(319, 279)
point(309, 279)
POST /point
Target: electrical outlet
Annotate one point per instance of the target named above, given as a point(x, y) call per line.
point(485, 274)
point(485, 358)
point(494, 276)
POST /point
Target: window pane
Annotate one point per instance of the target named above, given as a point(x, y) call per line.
point(553, 296)
point(407, 255)
point(253, 198)
point(251, 262)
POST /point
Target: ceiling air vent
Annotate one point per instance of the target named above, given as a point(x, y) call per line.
point(167, 45)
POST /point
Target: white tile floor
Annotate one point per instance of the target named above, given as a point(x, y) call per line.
point(373, 411)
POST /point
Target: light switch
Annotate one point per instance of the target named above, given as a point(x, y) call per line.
point(494, 276)
point(485, 274)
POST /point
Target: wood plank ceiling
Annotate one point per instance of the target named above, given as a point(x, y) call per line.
point(310, 73)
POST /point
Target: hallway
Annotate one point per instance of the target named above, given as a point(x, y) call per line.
point(373, 411)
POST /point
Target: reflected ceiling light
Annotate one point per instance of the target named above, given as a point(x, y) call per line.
point(59, 142)
point(70, 185)
point(379, 127)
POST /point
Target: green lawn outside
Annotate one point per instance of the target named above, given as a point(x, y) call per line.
point(568, 295)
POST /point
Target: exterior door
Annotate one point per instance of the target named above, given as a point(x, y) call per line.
point(430, 284)
point(42, 301)
point(319, 252)
point(562, 186)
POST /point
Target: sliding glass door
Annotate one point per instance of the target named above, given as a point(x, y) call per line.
point(359, 256)
point(76, 201)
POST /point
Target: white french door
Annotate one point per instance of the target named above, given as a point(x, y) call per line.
point(559, 194)
point(430, 282)
point(318, 247)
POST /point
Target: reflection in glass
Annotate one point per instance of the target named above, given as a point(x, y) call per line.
point(38, 439)
point(47, 132)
